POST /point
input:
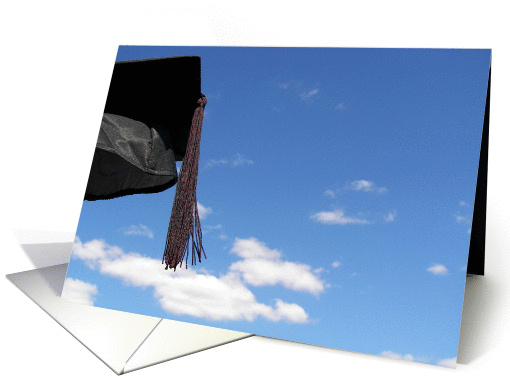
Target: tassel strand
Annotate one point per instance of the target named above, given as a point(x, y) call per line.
point(185, 221)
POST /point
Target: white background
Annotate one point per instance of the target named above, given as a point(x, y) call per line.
point(56, 63)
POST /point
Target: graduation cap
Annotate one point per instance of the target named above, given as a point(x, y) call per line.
point(152, 118)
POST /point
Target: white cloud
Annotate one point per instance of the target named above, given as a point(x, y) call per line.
point(290, 312)
point(217, 226)
point(330, 193)
point(240, 160)
point(305, 93)
point(215, 162)
point(187, 291)
point(336, 264)
point(203, 211)
point(405, 357)
point(138, 230)
point(362, 185)
point(366, 186)
point(341, 106)
point(236, 161)
point(294, 276)
point(309, 94)
point(336, 217)
point(462, 203)
point(356, 185)
point(94, 250)
point(79, 292)
point(462, 219)
point(448, 362)
point(198, 295)
point(390, 354)
point(438, 270)
point(263, 266)
point(254, 249)
point(390, 217)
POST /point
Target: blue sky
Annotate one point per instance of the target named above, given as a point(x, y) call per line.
point(336, 190)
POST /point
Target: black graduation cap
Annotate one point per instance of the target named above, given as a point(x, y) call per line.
point(152, 118)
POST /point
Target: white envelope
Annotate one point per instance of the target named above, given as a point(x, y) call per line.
point(123, 341)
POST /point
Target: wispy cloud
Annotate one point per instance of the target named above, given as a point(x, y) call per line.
point(405, 357)
point(236, 161)
point(336, 264)
point(361, 185)
point(448, 362)
point(390, 354)
point(217, 229)
point(366, 186)
point(309, 94)
point(216, 95)
point(337, 217)
point(187, 291)
point(438, 270)
point(330, 193)
point(216, 162)
point(217, 226)
point(203, 211)
point(341, 106)
point(305, 92)
point(241, 160)
point(79, 292)
point(263, 266)
point(138, 230)
point(390, 217)
point(462, 219)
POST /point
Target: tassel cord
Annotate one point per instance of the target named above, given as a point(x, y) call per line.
point(185, 221)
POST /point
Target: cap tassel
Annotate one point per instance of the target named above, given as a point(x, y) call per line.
point(184, 221)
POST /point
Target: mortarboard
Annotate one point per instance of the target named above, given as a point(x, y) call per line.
point(152, 118)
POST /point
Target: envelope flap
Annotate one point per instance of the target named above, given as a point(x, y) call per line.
point(172, 339)
point(113, 336)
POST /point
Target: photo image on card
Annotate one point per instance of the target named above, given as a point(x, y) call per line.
point(328, 196)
